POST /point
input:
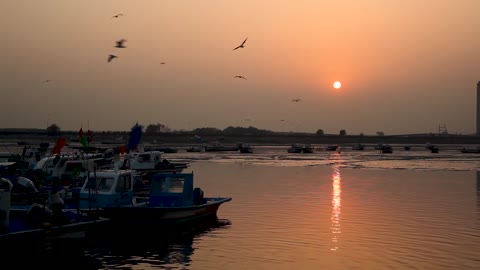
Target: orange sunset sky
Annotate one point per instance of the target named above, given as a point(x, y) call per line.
point(405, 66)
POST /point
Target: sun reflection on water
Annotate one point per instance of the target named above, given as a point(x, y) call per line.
point(336, 207)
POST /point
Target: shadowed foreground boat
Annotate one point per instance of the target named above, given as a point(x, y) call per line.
point(172, 199)
point(33, 236)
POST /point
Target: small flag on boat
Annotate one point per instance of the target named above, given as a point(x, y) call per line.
point(61, 142)
point(135, 136)
point(82, 139)
point(90, 136)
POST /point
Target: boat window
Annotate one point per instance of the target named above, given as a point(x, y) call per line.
point(144, 157)
point(51, 164)
point(176, 185)
point(166, 185)
point(124, 183)
point(62, 162)
point(104, 184)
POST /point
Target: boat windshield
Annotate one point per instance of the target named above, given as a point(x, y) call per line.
point(169, 185)
point(104, 184)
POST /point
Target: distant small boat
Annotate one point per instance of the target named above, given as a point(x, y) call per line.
point(245, 148)
point(331, 147)
point(379, 146)
point(295, 148)
point(308, 148)
point(195, 149)
point(164, 149)
point(217, 147)
point(358, 146)
point(470, 150)
point(387, 149)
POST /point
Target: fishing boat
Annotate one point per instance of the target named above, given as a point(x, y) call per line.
point(196, 148)
point(358, 147)
point(172, 199)
point(331, 147)
point(308, 148)
point(41, 226)
point(148, 161)
point(245, 148)
point(218, 147)
point(387, 149)
point(168, 198)
point(470, 150)
point(295, 148)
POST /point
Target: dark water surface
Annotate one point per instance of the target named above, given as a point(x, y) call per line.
point(326, 210)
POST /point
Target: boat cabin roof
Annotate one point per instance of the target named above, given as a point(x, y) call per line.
point(171, 190)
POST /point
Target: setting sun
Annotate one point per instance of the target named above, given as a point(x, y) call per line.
point(337, 85)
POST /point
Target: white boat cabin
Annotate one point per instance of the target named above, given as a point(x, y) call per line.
point(147, 160)
point(68, 166)
point(107, 188)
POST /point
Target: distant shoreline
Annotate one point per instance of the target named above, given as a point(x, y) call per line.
point(173, 139)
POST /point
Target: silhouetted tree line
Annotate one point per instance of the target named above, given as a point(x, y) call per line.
point(164, 130)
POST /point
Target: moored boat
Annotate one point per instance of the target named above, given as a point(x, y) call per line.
point(475, 150)
point(168, 198)
point(245, 148)
point(387, 149)
point(295, 148)
point(308, 148)
point(148, 161)
point(358, 146)
point(172, 199)
point(218, 147)
point(332, 147)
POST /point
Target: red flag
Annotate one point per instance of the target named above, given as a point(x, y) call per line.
point(80, 133)
point(61, 142)
point(56, 150)
point(90, 135)
point(122, 149)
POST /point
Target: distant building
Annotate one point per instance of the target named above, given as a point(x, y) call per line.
point(478, 108)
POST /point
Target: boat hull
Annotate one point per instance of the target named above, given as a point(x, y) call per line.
point(145, 216)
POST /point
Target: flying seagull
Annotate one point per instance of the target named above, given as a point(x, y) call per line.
point(282, 120)
point(240, 77)
point(241, 45)
point(120, 43)
point(118, 15)
point(111, 57)
point(162, 63)
point(296, 100)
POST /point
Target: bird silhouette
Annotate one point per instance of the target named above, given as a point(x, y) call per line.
point(120, 43)
point(240, 77)
point(111, 57)
point(47, 81)
point(118, 15)
point(241, 45)
point(162, 63)
point(296, 100)
point(282, 120)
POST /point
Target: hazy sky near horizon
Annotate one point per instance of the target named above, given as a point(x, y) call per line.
point(405, 66)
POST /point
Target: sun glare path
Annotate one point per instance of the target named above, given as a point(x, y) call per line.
point(336, 208)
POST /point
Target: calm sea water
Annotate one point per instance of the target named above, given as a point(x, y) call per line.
point(326, 210)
